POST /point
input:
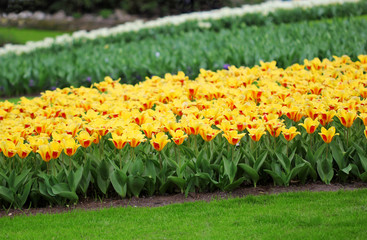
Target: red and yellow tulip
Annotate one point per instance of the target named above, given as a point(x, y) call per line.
point(310, 125)
point(347, 117)
point(233, 137)
point(84, 139)
point(290, 133)
point(70, 146)
point(178, 136)
point(326, 117)
point(45, 152)
point(135, 137)
point(256, 133)
point(23, 150)
point(8, 148)
point(56, 149)
point(208, 133)
point(327, 135)
point(119, 140)
point(159, 141)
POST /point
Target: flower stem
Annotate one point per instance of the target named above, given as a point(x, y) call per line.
point(85, 155)
point(311, 136)
point(100, 147)
point(232, 152)
point(120, 158)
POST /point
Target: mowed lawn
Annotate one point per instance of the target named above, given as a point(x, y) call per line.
point(21, 36)
point(11, 100)
point(302, 215)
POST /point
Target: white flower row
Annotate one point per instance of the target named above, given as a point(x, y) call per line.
point(263, 8)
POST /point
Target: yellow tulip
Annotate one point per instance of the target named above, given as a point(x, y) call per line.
point(347, 117)
point(73, 128)
point(256, 133)
point(178, 136)
point(326, 117)
point(241, 123)
point(172, 126)
point(226, 126)
point(36, 142)
point(135, 137)
point(208, 133)
point(8, 148)
point(8, 106)
point(96, 138)
point(233, 137)
point(101, 130)
point(70, 146)
point(193, 127)
point(159, 141)
point(363, 59)
point(45, 152)
point(3, 114)
point(363, 116)
point(40, 127)
point(310, 125)
point(274, 127)
point(119, 141)
point(295, 114)
point(312, 112)
point(149, 129)
point(290, 133)
point(56, 149)
point(316, 88)
point(192, 90)
point(15, 138)
point(140, 118)
point(23, 150)
point(327, 135)
point(84, 139)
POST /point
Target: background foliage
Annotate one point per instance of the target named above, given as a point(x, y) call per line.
point(133, 58)
point(143, 7)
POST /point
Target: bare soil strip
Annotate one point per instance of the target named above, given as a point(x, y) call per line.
point(157, 201)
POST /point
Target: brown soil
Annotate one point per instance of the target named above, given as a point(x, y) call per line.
point(157, 201)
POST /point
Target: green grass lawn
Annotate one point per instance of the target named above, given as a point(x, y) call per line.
point(302, 215)
point(21, 36)
point(12, 100)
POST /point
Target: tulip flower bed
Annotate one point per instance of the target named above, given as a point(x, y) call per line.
point(223, 129)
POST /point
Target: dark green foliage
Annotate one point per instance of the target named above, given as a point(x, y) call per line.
point(148, 8)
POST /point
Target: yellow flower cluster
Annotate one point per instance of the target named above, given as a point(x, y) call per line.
point(232, 102)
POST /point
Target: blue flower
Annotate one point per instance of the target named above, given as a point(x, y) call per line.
point(226, 66)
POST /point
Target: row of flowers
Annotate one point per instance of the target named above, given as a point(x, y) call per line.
point(65, 143)
point(201, 17)
point(255, 101)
